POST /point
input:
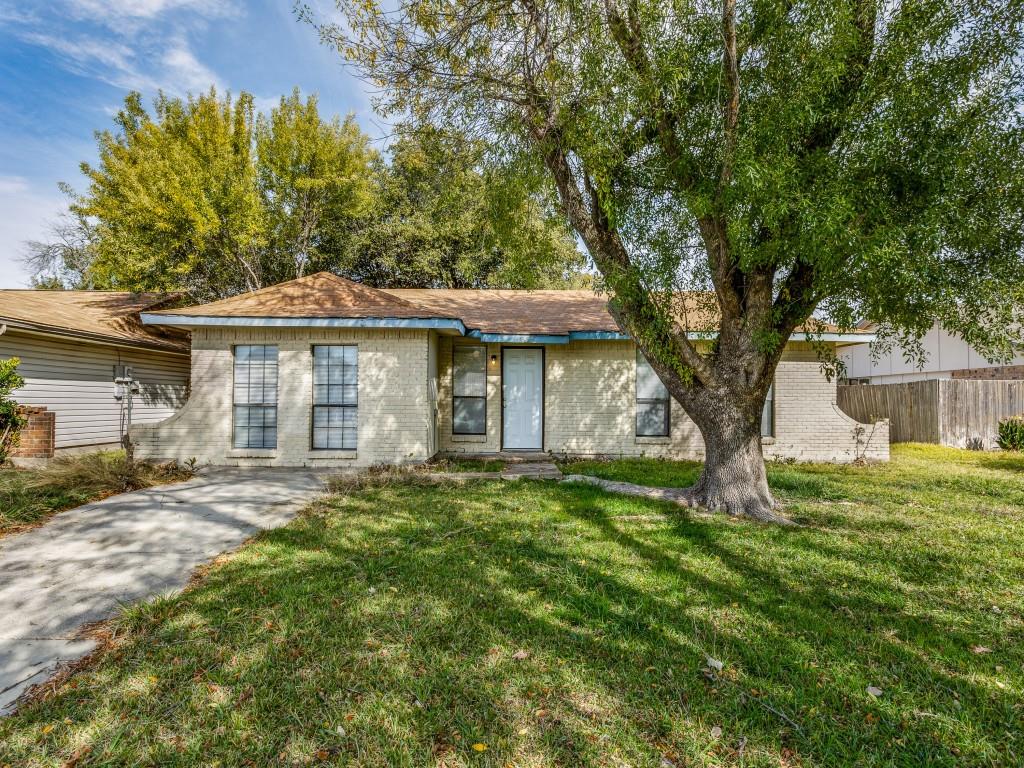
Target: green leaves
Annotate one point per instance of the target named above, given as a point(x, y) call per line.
point(866, 131)
point(210, 197)
point(11, 420)
point(444, 218)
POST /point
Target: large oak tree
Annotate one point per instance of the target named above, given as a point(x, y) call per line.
point(802, 160)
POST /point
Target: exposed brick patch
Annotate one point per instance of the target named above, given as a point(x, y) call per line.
point(995, 372)
point(38, 435)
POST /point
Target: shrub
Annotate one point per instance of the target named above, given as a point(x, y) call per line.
point(105, 471)
point(11, 420)
point(1011, 434)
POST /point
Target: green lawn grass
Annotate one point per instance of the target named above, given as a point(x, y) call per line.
point(537, 624)
point(29, 497)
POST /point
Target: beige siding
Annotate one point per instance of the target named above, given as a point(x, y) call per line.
point(944, 353)
point(75, 379)
point(395, 416)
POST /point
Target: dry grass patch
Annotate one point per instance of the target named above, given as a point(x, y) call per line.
point(29, 497)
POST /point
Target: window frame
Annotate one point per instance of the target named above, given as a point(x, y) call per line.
point(455, 397)
point(769, 404)
point(638, 401)
point(329, 406)
point(263, 405)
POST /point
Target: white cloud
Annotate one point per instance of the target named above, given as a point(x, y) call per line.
point(12, 185)
point(131, 44)
point(102, 10)
point(183, 72)
point(108, 60)
point(11, 15)
point(266, 103)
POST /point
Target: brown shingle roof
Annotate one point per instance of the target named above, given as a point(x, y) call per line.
point(502, 311)
point(111, 316)
point(543, 312)
point(319, 295)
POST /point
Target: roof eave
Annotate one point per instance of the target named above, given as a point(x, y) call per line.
point(451, 324)
point(193, 321)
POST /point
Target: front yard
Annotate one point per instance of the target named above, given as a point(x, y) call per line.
point(536, 624)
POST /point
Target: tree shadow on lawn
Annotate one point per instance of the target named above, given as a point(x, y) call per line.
point(396, 615)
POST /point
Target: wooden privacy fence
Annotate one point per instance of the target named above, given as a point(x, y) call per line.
point(944, 411)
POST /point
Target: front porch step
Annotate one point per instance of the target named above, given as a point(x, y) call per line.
point(510, 457)
point(534, 470)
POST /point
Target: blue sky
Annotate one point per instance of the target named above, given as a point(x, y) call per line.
point(66, 65)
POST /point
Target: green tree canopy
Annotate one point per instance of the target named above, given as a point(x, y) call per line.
point(207, 196)
point(442, 221)
point(802, 159)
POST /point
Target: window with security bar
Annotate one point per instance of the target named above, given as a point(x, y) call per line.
point(653, 410)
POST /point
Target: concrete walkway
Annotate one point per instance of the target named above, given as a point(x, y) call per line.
point(84, 563)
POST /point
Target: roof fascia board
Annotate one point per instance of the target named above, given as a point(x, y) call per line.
point(519, 338)
point(451, 324)
point(598, 336)
point(839, 338)
point(435, 323)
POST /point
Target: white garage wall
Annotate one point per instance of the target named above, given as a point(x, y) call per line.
point(945, 353)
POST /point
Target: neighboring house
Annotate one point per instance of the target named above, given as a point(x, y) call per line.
point(948, 357)
point(72, 344)
point(322, 371)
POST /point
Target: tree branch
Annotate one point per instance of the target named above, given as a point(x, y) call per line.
point(627, 36)
point(610, 253)
point(731, 107)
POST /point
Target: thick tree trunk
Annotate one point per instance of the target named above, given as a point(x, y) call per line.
point(733, 480)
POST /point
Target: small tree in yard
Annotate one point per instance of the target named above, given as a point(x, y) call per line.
point(802, 159)
point(11, 420)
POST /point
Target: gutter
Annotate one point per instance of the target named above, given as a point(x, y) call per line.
point(448, 324)
point(431, 323)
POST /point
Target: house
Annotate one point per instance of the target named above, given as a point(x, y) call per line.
point(956, 398)
point(322, 371)
point(72, 345)
point(947, 357)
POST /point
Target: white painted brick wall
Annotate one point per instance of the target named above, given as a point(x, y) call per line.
point(590, 409)
point(589, 404)
point(395, 408)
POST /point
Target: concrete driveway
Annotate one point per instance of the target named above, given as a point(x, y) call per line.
point(80, 566)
